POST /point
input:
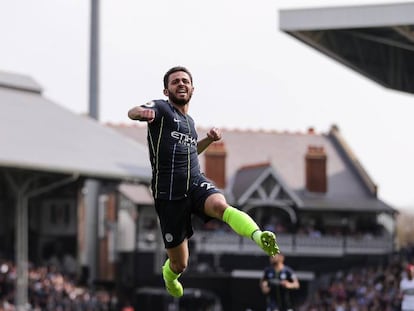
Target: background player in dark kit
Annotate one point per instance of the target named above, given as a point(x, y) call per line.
point(179, 188)
point(277, 282)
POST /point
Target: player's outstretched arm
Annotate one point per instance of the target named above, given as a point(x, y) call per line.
point(213, 135)
point(141, 114)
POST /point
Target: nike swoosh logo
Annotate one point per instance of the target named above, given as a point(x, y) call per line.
point(176, 120)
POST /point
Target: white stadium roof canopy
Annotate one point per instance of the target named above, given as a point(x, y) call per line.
point(375, 40)
point(39, 135)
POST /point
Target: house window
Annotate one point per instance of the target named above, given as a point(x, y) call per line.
point(58, 216)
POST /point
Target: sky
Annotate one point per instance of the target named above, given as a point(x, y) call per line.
point(247, 73)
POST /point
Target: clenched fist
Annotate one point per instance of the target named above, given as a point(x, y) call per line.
point(214, 134)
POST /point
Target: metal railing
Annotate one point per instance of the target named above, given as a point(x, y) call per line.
point(291, 244)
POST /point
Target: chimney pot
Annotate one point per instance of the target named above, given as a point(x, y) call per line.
point(215, 163)
point(315, 166)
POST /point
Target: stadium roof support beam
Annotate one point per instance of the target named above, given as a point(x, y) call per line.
point(24, 186)
point(406, 31)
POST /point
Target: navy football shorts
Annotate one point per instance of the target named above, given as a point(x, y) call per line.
point(175, 215)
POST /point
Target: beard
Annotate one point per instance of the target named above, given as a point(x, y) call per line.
point(179, 101)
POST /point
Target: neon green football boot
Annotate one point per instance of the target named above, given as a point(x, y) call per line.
point(174, 287)
point(266, 241)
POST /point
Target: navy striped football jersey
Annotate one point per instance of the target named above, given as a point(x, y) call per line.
point(172, 142)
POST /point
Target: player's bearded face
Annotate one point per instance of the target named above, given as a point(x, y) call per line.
point(180, 97)
point(180, 88)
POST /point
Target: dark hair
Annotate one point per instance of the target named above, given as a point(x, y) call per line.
point(175, 69)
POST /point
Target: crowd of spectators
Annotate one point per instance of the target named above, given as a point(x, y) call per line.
point(305, 229)
point(370, 288)
point(52, 290)
point(361, 289)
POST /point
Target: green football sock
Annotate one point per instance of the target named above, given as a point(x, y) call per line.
point(167, 273)
point(172, 285)
point(245, 226)
point(240, 222)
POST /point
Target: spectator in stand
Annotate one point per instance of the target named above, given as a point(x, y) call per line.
point(407, 289)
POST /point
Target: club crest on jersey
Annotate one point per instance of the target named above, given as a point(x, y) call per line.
point(149, 104)
point(168, 237)
point(184, 139)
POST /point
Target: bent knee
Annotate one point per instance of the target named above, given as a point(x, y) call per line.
point(215, 206)
point(178, 266)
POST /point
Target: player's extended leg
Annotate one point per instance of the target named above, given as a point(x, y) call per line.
point(173, 267)
point(216, 206)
